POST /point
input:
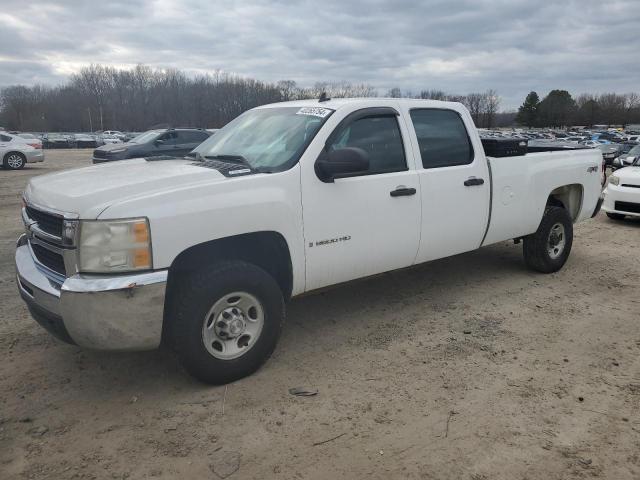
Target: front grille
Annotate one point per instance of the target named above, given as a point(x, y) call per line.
point(47, 222)
point(49, 259)
point(627, 207)
point(99, 154)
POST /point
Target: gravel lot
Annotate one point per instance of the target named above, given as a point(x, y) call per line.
point(470, 367)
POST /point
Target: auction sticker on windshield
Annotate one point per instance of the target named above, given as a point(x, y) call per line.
point(315, 111)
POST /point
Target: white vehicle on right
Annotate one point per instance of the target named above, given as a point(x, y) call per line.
point(622, 195)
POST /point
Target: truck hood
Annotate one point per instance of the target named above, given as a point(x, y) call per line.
point(89, 191)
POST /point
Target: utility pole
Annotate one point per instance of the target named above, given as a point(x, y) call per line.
point(90, 122)
point(101, 125)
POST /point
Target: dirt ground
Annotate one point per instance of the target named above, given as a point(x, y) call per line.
point(470, 367)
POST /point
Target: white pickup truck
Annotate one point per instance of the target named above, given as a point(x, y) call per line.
point(202, 253)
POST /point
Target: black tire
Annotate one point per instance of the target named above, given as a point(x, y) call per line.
point(537, 245)
point(15, 156)
point(616, 216)
point(190, 303)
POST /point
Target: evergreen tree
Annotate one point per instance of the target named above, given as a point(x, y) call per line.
point(558, 109)
point(528, 111)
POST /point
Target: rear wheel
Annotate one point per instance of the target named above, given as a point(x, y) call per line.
point(225, 321)
point(615, 216)
point(14, 161)
point(547, 250)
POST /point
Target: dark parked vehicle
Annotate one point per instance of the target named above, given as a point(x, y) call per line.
point(83, 140)
point(56, 140)
point(174, 142)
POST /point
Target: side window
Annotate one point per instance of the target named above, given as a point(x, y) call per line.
point(5, 138)
point(442, 138)
point(169, 138)
point(380, 137)
point(191, 137)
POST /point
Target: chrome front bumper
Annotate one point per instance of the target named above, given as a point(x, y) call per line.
point(116, 312)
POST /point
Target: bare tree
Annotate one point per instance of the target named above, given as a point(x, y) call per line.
point(491, 106)
point(475, 103)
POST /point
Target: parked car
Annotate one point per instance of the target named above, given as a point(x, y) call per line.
point(110, 140)
point(115, 133)
point(83, 140)
point(31, 139)
point(172, 141)
point(232, 244)
point(627, 159)
point(622, 195)
point(609, 152)
point(56, 140)
point(16, 151)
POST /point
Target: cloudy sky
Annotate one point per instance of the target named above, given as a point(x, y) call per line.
point(513, 46)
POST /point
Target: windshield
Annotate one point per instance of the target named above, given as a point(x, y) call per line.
point(269, 139)
point(635, 151)
point(145, 137)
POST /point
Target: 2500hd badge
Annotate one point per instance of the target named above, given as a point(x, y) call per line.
point(320, 243)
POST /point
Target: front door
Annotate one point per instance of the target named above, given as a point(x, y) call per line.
point(367, 223)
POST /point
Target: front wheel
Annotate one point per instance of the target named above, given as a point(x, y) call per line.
point(225, 321)
point(547, 250)
point(615, 216)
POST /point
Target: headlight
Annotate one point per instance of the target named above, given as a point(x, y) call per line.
point(114, 245)
point(614, 180)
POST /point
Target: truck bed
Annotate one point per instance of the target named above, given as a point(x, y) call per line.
point(520, 186)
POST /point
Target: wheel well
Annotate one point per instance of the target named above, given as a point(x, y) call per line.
point(568, 197)
point(6, 155)
point(268, 250)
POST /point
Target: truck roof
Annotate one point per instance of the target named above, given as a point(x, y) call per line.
point(337, 103)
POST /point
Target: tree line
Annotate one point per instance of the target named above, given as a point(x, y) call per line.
point(560, 109)
point(106, 98)
point(100, 97)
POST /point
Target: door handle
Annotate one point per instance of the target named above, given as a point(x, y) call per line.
point(403, 192)
point(471, 181)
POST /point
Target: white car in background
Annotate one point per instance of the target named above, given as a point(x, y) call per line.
point(16, 151)
point(622, 195)
point(110, 139)
point(115, 133)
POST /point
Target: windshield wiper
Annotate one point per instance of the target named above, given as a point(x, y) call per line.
point(235, 159)
point(239, 159)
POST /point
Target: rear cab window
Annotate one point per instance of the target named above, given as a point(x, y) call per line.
point(442, 138)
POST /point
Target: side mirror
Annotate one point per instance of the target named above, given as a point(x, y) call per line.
point(341, 163)
point(158, 142)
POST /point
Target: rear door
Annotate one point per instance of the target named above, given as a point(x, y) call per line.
point(454, 181)
point(369, 222)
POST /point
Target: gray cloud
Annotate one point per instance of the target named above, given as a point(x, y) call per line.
point(513, 46)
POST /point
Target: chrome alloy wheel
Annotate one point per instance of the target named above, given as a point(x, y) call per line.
point(15, 161)
point(233, 325)
point(557, 241)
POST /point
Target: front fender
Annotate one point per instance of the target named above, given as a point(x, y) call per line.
point(191, 215)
